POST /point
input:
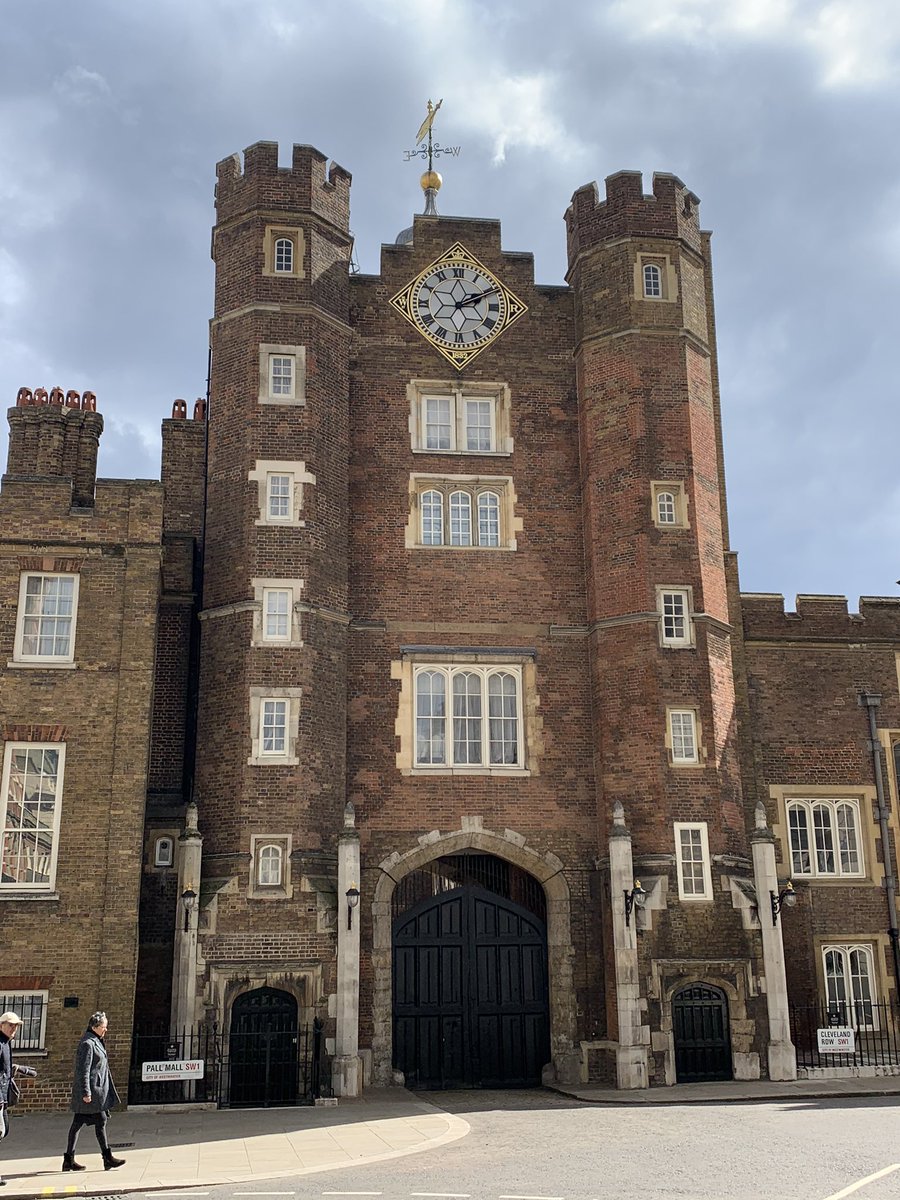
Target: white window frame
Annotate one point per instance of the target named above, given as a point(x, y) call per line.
point(483, 673)
point(160, 845)
point(430, 524)
point(651, 273)
point(693, 827)
point(278, 374)
point(279, 518)
point(264, 860)
point(830, 804)
point(673, 718)
point(7, 887)
point(270, 596)
point(278, 257)
point(260, 698)
point(664, 595)
point(268, 352)
point(457, 398)
point(281, 890)
point(22, 1002)
point(262, 590)
point(854, 1006)
point(265, 469)
point(675, 489)
point(19, 653)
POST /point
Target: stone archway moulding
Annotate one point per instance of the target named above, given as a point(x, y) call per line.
point(564, 1066)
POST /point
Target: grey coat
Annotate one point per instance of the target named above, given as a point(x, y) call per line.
point(92, 1077)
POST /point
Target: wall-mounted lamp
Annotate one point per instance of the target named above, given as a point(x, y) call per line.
point(189, 900)
point(352, 901)
point(786, 898)
point(636, 898)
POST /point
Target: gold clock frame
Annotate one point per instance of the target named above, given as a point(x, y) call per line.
point(458, 256)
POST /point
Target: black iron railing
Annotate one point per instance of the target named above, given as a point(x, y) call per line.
point(255, 1069)
point(876, 1033)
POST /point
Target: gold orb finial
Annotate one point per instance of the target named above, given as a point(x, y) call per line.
point(431, 180)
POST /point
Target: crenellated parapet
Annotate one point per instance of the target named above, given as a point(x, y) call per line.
point(818, 618)
point(308, 185)
point(672, 211)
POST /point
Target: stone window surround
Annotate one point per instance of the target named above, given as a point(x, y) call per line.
point(65, 662)
point(298, 353)
point(531, 740)
point(688, 641)
point(160, 860)
point(296, 235)
point(257, 636)
point(693, 897)
point(878, 945)
point(418, 389)
point(296, 468)
point(869, 833)
point(676, 487)
point(510, 524)
point(684, 764)
point(293, 695)
point(667, 276)
point(282, 891)
point(22, 891)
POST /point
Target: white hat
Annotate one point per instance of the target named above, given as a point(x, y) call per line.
point(10, 1018)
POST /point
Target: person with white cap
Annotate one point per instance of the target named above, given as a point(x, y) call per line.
point(9, 1027)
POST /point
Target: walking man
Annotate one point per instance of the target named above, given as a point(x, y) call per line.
point(93, 1094)
point(9, 1027)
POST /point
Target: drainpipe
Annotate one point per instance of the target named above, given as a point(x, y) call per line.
point(870, 701)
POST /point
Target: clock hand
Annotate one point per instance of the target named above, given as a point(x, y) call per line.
point(474, 297)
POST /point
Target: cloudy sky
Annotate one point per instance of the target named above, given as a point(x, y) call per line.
point(782, 115)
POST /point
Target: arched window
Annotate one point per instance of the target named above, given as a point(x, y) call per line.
point(488, 519)
point(284, 256)
point(460, 519)
point(850, 985)
point(652, 281)
point(472, 741)
point(269, 872)
point(666, 513)
point(164, 852)
point(432, 519)
point(824, 836)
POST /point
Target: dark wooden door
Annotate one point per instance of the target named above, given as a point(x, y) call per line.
point(262, 1050)
point(470, 992)
point(702, 1037)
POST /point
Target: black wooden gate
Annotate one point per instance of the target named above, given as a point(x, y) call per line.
point(702, 1037)
point(263, 1052)
point(470, 991)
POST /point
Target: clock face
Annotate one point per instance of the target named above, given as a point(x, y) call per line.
point(458, 305)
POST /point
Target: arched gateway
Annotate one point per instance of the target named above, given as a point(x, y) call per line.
point(470, 975)
point(473, 963)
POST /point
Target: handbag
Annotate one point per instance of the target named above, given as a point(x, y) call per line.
point(14, 1094)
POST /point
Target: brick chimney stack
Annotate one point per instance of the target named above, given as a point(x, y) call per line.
point(56, 435)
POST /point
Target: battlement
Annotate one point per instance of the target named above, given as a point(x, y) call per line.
point(820, 618)
point(308, 185)
point(672, 211)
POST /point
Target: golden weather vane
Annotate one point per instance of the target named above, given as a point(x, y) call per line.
point(431, 180)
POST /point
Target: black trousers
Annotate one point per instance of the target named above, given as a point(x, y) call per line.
point(98, 1120)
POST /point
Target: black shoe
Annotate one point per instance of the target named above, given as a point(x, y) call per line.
point(109, 1162)
point(69, 1163)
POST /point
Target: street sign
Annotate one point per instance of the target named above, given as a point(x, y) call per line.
point(837, 1039)
point(185, 1068)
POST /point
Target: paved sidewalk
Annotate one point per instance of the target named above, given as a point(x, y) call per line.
point(174, 1150)
point(739, 1092)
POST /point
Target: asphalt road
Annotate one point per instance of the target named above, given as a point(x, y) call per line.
point(535, 1145)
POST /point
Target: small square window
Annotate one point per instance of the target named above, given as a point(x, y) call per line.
point(270, 871)
point(281, 375)
point(32, 1008)
point(273, 727)
point(283, 251)
point(45, 630)
point(683, 736)
point(669, 505)
point(655, 277)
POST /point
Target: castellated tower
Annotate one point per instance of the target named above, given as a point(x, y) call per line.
point(662, 675)
point(270, 776)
